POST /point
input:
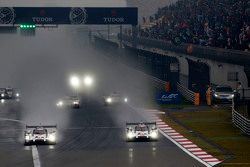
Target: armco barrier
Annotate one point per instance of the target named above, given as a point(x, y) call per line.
point(188, 94)
point(157, 82)
point(244, 94)
point(219, 54)
point(240, 121)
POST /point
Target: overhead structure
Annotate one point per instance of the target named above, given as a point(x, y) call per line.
point(67, 15)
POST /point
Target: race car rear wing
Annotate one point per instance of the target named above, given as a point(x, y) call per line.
point(151, 125)
point(138, 123)
point(42, 126)
point(50, 128)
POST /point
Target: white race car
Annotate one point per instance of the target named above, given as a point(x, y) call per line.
point(69, 101)
point(142, 130)
point(115, 98)
point(40, 134)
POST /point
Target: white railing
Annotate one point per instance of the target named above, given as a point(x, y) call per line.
point(158, 82)
point(185, 92)
point(244, 93)
point(240, 121)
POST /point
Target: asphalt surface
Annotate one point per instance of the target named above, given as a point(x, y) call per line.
point(90, 136)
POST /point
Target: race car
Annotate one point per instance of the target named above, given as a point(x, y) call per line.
point(222, 94)
point(40, 134)
point(69, 101)
point(115, 98)
point(142, 130)
point(9, 93)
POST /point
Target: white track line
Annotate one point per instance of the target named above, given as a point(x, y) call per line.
point(35, 156)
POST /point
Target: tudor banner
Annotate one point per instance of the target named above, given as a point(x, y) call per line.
point(68, 15)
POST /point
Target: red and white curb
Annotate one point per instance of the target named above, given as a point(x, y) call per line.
point(186, 145)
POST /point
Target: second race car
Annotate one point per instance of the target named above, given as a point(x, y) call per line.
point(115, 98)
point(69, 101)
point(142, 130)
point(40, 134)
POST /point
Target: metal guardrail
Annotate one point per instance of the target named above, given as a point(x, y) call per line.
point(185, 92)
point(219, 54)
point(158, 82)
point(240, 121)
point(244, 93)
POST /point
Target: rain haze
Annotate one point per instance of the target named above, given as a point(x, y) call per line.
point(84, 92)
point(44, 63)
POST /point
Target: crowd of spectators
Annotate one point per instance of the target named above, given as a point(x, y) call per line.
point(217, 23)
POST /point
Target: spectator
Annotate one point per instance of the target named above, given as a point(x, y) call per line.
point(216, 23)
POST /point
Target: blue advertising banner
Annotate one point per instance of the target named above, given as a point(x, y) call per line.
point(68, 15)
point(168, 98)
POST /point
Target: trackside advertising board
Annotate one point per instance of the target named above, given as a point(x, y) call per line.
point(168, 97)
point(68, 15)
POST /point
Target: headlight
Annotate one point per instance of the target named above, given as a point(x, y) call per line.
point(109, 100)
point(17, 94)
point(52, 138)
point(2, 95)
point(59, 104)
point(2, 100)
point(130, 135)
point(75, 102)
point(27, 137)
point(216, 95)
point(231, 96)
point(125, 100)
point(154, 134)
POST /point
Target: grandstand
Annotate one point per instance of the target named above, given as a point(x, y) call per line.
point(216, 23)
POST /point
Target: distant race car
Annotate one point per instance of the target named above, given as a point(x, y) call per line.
point(69, 101)
point(222, 94)
point(9, 93)
point(40, 134)
point(115, 98)
point(142, 130)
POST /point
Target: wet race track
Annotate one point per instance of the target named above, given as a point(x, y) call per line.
point(93, 135)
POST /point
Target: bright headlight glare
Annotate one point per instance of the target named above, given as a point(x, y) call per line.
point(75, 102)
point(52, 138)
point(125, 99)
point(74, 81)
point(27, 137)
point(2, 95)
point(154, 134)
point(59, 104)
point(88, 80)
point(2, 100)
point(216, 95)
point(17, 94)
point(232, 96)
point(109, 100)
point(130, 135)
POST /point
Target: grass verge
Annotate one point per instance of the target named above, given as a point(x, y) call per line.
point(213, 131)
